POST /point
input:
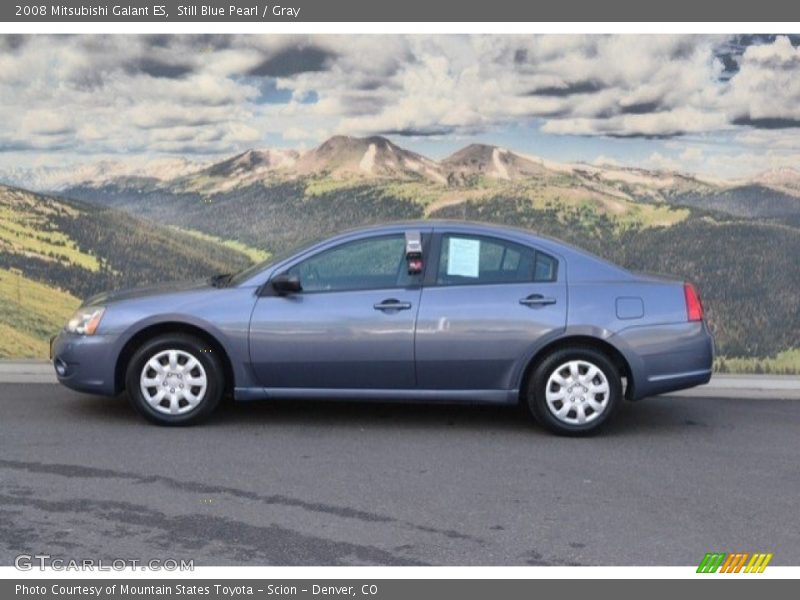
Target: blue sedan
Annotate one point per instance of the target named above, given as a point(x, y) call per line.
point(422, 311)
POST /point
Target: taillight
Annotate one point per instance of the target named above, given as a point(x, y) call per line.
point(694, 307)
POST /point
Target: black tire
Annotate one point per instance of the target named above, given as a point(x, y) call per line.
point(210, 362)
point(535, 394)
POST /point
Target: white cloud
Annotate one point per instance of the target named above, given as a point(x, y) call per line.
point(692, 154)
point(202, 94)
point(45, 122)
point(728, 162)
point(767, 86)
point(660, 162)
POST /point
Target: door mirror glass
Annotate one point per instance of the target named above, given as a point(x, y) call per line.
point(286, 283)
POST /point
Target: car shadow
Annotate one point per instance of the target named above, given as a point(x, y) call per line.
point(360, 414)
point(647, 417)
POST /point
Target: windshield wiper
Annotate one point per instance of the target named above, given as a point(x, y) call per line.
point(221, 279)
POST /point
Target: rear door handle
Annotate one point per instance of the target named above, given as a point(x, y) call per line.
point(537, 300)
point(392, 304)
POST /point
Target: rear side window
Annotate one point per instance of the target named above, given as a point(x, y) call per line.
point(466, 259)
point(545, 269)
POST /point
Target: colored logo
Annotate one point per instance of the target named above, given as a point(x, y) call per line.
point(736, 562)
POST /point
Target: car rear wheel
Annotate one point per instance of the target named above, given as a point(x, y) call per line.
point(175, 379)
point(574, 391)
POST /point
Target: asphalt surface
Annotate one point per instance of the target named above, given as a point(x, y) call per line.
point(326, 483)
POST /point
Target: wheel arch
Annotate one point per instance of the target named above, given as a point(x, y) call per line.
point(160, 328)
point(614, 354)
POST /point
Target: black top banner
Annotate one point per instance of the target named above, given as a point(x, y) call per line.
point(254, 11)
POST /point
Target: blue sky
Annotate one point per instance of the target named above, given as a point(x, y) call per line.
point(720, 106)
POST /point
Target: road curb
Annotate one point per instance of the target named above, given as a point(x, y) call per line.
point(727, 385)
point(27, 371)
point(785, 387)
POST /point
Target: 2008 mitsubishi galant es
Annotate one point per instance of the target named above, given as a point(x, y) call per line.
point(422, 311)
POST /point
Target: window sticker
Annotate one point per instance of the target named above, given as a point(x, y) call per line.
point(463, 257)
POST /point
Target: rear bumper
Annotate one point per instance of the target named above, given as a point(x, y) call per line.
point(84, 363)
point(667, 358)
point(673, 382)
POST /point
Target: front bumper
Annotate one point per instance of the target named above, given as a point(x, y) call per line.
point(85, 363)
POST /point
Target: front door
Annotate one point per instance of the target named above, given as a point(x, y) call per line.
point(351, 326)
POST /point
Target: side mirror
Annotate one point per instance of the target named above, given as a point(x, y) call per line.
point(286, 284)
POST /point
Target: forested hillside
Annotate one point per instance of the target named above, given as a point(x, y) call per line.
point(273, 217)
point(739, 241)
point(746, 269)
point(54, 252)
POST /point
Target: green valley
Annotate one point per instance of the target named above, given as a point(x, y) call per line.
point(737, 241)
point(32, 312)
point(55, 251)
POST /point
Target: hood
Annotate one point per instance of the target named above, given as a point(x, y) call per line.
point(146, 291)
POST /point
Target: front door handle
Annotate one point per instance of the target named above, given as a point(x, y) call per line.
point(392, 304)
point(537, 300)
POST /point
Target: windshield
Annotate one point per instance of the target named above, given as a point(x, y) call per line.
point(247, 273)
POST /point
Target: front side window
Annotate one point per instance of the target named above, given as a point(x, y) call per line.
point(371, 263)
point(466, 259)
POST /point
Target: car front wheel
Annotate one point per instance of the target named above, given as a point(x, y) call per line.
point(175, 379)
point(574, 391)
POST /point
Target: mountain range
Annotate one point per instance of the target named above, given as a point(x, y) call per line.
point(738, 240)
point(377, 158)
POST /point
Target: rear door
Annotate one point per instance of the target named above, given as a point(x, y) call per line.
point(484, 306)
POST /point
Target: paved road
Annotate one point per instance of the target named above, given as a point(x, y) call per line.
point(316, 483)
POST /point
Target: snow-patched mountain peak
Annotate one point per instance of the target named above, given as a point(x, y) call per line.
point(491, 161)
point(375, 156)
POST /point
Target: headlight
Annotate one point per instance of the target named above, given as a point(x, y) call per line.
point(85, 320)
